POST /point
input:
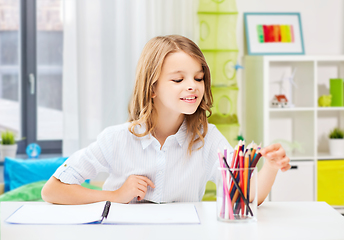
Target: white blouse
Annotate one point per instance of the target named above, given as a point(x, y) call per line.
point(177, 176)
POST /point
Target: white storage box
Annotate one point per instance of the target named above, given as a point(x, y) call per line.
point(297, 184)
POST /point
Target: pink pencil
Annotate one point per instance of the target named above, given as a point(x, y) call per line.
point(225, 153)
point(229, 202)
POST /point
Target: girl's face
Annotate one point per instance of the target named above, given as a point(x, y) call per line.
point(180, 87)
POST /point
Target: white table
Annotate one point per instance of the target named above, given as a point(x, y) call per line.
point(276, 220)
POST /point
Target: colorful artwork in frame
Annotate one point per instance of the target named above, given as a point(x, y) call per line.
point(273, 33)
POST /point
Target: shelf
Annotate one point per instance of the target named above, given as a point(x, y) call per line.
point(327, 156)
point(301, 158)
point(295, 109)
point(326, 122)
point(302, 130)
point(301, 93)
point(330, 108)
point(295, 131)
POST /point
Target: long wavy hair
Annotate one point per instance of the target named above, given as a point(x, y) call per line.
point(141, 107)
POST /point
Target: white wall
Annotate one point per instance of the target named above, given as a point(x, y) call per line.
point(322, 24)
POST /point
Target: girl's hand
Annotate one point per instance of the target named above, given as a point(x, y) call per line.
point(134, 186)
point(275, 156)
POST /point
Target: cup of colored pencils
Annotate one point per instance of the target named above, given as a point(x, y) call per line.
point(237, 183)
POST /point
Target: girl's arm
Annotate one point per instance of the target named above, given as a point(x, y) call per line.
point(275, 159)
point(55, 191)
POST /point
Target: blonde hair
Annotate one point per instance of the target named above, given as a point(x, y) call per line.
point(141, 107)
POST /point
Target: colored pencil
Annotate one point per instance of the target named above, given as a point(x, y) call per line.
point(250, 156)
point(256, 159)
point(225, 153)
point(234, 156)
point(254, 149)
point(241, 174)
point(226, 193)
point(246, 166)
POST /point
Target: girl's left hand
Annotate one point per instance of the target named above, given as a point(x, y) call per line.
point(275, 156)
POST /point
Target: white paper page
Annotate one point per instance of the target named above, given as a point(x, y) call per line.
point(57, 214)
point(152, 214)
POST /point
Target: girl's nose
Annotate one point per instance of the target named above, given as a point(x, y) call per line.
point(190, 84)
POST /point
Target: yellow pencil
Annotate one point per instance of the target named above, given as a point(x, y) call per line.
point(246, 166)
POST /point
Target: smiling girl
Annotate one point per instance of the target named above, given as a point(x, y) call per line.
point(167, 151)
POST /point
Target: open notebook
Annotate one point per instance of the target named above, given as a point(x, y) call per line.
point(175, 213)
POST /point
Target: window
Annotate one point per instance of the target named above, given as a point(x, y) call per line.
point(31, 44)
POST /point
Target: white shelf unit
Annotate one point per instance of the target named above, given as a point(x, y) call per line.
point(305, 125)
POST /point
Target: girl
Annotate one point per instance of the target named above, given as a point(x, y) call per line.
point(167, 151)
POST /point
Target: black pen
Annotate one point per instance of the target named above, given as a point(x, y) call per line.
point(106, 210)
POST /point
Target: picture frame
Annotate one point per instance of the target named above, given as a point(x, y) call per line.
point(274, 33)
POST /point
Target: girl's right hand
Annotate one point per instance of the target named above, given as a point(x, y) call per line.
point(134, 186)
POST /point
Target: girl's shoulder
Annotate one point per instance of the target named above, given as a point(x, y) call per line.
point(212, 130)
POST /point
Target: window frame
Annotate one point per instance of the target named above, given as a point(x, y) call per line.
point(28, 65)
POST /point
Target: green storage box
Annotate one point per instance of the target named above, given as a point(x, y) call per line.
point(217, 6)
point(217, 31)
point(228, 126)
point(210, 192)
point(220, 119)
point(225, 101)
point(331, 182)
point(222, 67)
point(230, 132)
point(336, 90)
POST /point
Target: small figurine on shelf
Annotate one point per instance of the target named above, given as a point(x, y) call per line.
point(292, 84)
point(279, 101)
point(325, 101)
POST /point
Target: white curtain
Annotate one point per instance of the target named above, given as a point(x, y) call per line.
point(102, 43)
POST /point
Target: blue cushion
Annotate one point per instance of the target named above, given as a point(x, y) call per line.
point(18, 172)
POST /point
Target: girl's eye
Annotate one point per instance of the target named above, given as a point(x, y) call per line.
point(178, 80)
point(199, 79)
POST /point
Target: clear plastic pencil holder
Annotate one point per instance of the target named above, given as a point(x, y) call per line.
point(236, 195)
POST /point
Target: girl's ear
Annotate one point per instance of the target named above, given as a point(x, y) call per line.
point(153, 92)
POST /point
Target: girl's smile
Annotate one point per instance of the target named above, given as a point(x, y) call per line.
point(189, 99)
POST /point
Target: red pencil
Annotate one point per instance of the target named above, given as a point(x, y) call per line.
point(241, 177)
point(234, 156)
